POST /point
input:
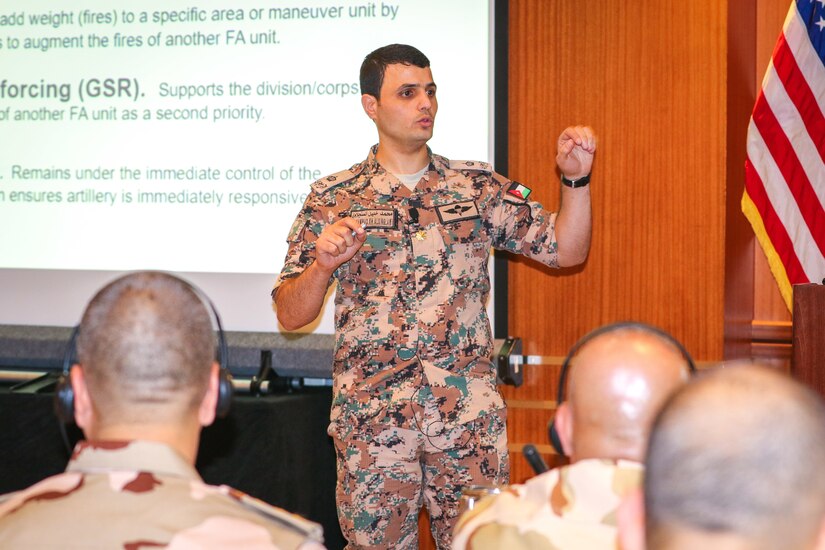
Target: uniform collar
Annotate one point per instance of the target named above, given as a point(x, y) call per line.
point(146, 456)
point(386, 183)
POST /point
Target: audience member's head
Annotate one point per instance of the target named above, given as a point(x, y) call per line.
point(617, 381)
point(736, 461)
point(145, 383)
point(146, 362)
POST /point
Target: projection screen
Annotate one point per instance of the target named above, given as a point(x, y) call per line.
point(149, 135)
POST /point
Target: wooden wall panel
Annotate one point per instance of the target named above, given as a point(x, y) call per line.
point(651, 83)
point(668, 87)
point(540, 383)
point(770, 313)
point(739, 96)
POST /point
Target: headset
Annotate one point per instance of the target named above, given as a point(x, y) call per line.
point(64, 393)
point(552, 433)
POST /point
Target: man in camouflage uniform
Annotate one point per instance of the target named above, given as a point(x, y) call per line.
point(734, 461)
point(146, 382)
point(407, 235)
point(618, 381)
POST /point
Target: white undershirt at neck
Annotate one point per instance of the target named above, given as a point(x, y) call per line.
point(411, 180)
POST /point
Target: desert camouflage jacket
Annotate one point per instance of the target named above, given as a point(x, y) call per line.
point(141, 494)
point(566, 508)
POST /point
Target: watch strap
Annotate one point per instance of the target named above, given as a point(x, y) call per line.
point(575, 184)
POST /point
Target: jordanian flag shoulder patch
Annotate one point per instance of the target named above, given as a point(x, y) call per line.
point(519, 191)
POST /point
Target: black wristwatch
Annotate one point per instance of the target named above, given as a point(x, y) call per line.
point(575, 184)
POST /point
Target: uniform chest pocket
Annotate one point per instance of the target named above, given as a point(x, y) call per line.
point(467, 245)
point(466, 232)
point(376, 268)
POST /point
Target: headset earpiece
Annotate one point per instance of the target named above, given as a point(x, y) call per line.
point(552, 432)
point(225, 392)
point(555, 439)
point(64, 393)
point(225, 388)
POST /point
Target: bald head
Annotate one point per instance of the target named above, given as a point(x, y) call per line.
point(737, 457)
point(618, 381)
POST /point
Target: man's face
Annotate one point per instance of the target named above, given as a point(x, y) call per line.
point(405, 112)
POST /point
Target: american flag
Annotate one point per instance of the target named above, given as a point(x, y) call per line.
point(785, 170)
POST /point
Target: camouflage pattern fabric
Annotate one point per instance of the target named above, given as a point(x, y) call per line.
point(573, 507)
point(140, 494)
point(381, 471)
point(410, 306)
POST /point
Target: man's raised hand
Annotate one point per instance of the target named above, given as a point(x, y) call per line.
point(338, 243)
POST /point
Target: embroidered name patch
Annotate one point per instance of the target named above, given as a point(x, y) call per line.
point(519, 191)
point(457, 211)
point(376, 218)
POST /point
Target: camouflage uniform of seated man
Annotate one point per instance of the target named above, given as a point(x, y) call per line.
point(407, 235)
point(146, 383)
point(619, 377)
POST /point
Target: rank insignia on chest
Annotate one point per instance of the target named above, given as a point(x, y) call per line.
point(457, 211)
point(376, 218)
point(519, 191)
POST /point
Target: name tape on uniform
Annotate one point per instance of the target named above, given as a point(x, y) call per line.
point(376, 218)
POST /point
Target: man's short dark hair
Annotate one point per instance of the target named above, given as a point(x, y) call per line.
point(374, 65)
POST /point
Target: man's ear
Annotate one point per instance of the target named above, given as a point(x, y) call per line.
point(369, 103)
point(631, 519)
point(83, 409)
point(820, 539)
point(206, 411)
point(564, 427)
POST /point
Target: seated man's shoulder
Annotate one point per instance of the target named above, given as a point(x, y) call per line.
point(46, 503)
point(53, 488)
point(616, 477)
point(500, 521)
point(226, 510)
point(130, 505)
point(568, 507)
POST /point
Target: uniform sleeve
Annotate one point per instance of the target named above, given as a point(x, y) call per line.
point(522, 226)
point(301, 240)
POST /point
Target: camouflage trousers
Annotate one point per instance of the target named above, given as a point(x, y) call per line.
point(385, 473)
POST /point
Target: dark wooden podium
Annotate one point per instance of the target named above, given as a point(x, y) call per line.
point(808, 362)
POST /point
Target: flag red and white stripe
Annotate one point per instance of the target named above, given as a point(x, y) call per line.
point(784, 197)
